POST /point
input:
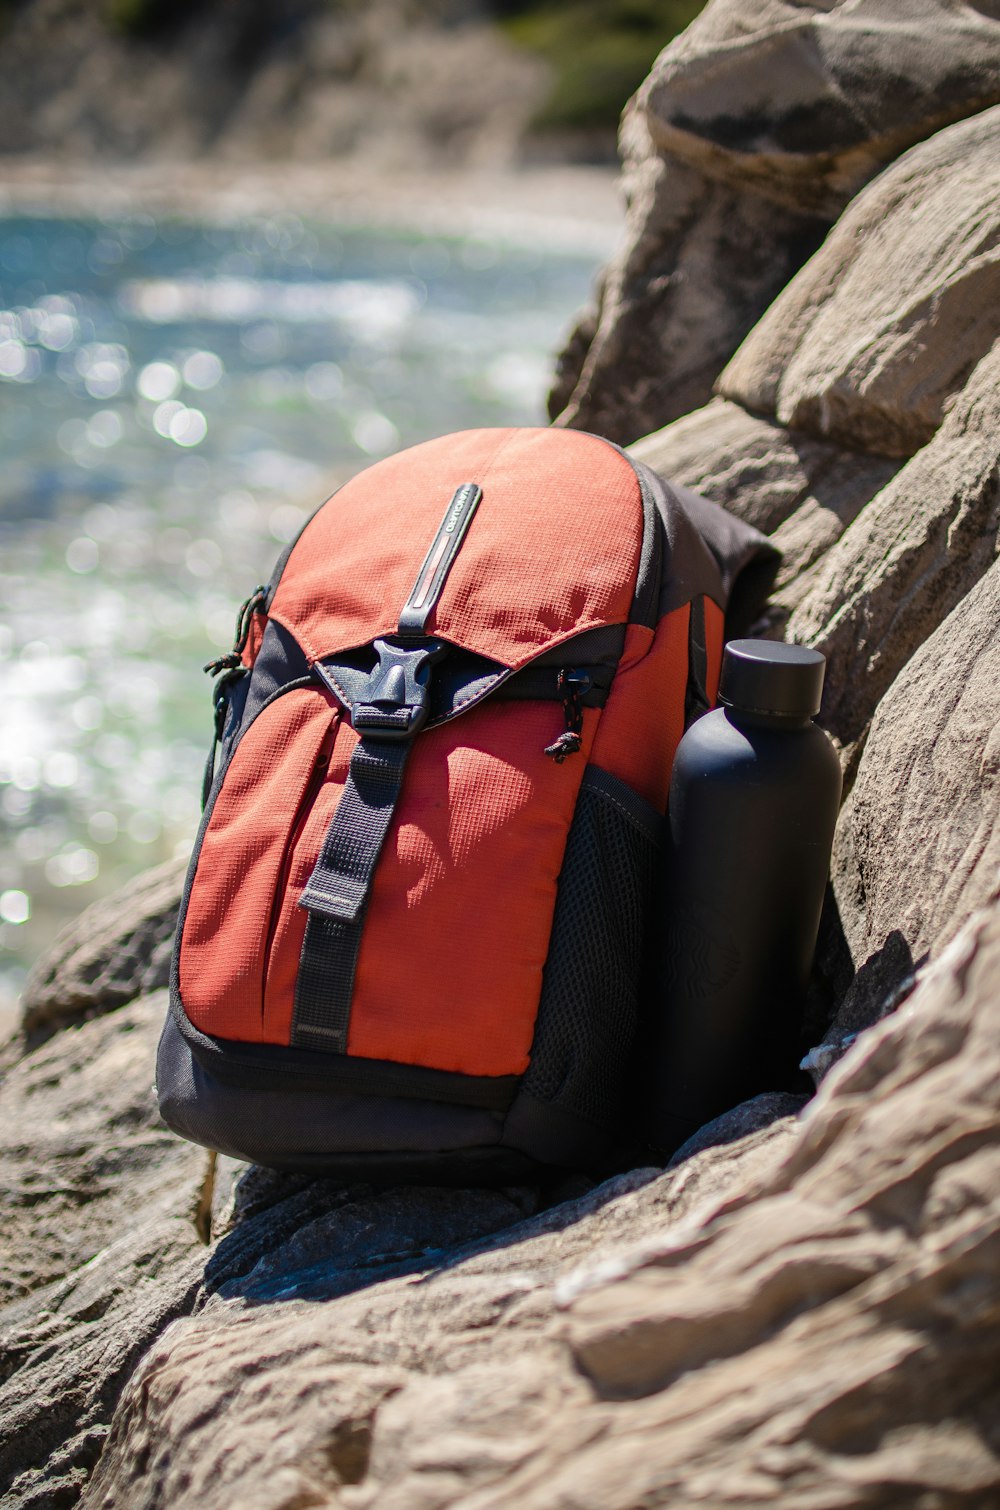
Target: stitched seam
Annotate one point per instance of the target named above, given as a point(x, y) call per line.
point(606, 796)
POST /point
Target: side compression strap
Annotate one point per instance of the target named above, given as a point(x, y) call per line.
point(337, 893)
point(696, 697)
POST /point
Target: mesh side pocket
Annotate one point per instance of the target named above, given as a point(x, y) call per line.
point(588, 1011)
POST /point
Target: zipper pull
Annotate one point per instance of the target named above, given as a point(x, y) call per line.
point(571, 686)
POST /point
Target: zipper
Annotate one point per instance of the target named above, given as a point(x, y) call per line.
point(316, 779)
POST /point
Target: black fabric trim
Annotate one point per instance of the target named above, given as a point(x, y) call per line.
point(280, 660)
point(650, 571)
point(696, 692)
point(264, 1065)
point(640, 813)
point(336, 894)
point(747, 560)
point(555, 1136)
point(462, 680)
point(690, 569)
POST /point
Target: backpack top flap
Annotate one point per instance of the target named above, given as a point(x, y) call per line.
point(553, 548)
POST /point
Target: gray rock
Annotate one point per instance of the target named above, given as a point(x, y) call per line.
point(918, 845)
point(699, 264)
point(909, 557)
point(217, 1380)
point(883, 326)
point(805, 102)
point(101, 1245)
point(747, 140)
point(816, 1330)
point(117, 949)
point(388, 83)
point(801, 491)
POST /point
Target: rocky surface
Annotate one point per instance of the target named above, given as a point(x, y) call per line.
point(802, 491)
point(102, 1243)
point(792, 1343)
point(116, 950)
point(804, 1308)
point(748, 139)
point(918, 845)
point(882, 329)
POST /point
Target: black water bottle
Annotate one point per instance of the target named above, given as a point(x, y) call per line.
point(753, 803)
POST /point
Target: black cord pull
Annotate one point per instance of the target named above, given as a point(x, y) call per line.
point(244, 619)
point(571, 686)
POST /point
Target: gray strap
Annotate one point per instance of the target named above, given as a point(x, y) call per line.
point(336, 894)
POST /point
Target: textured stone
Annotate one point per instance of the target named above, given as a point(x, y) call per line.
point(909, 557)
point(216, 1381)
point(749, 137)
point(700, 262)
point(806, 101)
point(821, 1331)
point(918, 845)
point(116, 950)
point(883, 326)
point(804, 492)
point(101, 1243)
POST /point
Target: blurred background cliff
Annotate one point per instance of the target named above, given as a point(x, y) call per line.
point(395, 82)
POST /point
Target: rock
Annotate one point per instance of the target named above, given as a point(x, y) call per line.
point(216, 1380)
point(700, 262)
point(918, 845)
point(102, 1242)
point(803, 492)
point(821, 1330)
point(805, 102)
point(883, 326)
point(908, 558)
point(748, 138)
point(116, 950)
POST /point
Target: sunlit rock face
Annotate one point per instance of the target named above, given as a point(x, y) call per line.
point(749, 137)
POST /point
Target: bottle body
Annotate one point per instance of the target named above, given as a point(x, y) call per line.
point(753, 805)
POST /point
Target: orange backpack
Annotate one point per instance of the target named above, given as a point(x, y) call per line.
point(411, 939)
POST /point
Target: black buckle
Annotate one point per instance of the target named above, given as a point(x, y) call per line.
point(396, 703)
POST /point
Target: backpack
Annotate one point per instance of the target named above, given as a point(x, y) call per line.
point(411, 940)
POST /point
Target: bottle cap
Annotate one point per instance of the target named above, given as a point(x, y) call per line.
point(767, 676)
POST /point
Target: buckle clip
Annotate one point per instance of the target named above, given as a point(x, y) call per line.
point(396, 704)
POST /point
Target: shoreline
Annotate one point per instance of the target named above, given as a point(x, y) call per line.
point(559, 208)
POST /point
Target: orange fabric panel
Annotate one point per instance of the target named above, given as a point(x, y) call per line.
point(552, 550)
point(254, 639)
point(715, 635)
point(643, 718)
point(229, 913)
point(450, 968)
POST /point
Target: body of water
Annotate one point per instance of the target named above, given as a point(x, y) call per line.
point(175, 399)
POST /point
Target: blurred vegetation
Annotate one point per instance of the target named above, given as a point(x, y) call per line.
point(146, 18)
point(599, 52)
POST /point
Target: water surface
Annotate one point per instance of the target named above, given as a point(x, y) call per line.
point(175, 398)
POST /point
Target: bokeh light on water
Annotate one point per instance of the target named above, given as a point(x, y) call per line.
point(174, 401)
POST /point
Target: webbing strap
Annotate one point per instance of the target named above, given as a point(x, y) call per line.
point(336, 894)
